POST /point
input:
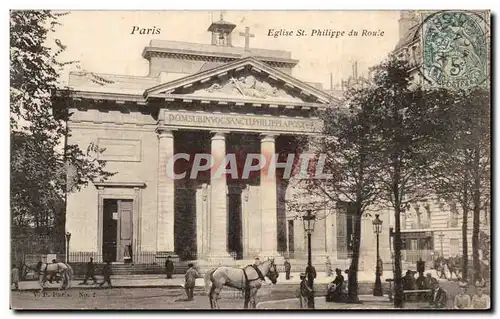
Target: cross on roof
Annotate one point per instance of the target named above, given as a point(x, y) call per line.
point(247, 36)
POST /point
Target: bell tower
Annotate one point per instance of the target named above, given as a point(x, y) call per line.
point(221, 32)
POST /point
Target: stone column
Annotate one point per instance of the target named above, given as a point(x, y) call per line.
point(268, 195)
point(166, 190)
point(218, 201)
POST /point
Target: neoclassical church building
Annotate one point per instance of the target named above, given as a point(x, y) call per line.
point(214, 99)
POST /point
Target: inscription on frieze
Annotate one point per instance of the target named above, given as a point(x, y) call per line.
point(241, 122)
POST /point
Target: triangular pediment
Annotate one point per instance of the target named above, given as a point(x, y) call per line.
point(241, 80)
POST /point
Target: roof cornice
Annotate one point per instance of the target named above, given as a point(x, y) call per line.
point(106, 96)
point(211, 56)
point(186, 98)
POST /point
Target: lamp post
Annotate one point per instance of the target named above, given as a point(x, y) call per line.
point(68, 237)
point(309, 220)
point(441, 238)
point(377, 229)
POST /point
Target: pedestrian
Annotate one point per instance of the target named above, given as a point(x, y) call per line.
point(256, 261)
point(312, 270)
point(304, 291)
point(442, 266)
point(334, 290)
point(169, 267)
point(90, 272)
point(409, 281)
point(421, 266)
point(439, 297)
point(479, 299)
point(380, 265)
point(328, 266)
point(462, 299)
point(14, 277)
point(191, 275)
point(345, 285)
point(106, 272)
point(288, 268)
point(38, 267)
point(429, 281)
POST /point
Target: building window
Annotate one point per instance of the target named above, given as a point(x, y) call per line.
point(454, 247)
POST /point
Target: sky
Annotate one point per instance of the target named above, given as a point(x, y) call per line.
point(103, 43)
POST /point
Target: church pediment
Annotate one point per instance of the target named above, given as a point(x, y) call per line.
point(245, 79)
point(245, 86)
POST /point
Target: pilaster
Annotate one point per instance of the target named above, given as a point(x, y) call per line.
point(268, 195)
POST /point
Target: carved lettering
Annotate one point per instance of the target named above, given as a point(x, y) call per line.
point(242, 121)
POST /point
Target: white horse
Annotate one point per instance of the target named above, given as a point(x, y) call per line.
point(53, 269)
point(248, 279)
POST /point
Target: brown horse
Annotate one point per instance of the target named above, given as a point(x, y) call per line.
point(248, 279)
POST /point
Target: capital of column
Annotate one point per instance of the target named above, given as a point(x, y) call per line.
point(267, 138)
point(218, 135)
point(164, 132)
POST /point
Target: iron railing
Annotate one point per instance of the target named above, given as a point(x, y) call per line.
point(412, 256)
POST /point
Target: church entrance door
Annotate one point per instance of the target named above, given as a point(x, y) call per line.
point(117, 229)
point(234, 225)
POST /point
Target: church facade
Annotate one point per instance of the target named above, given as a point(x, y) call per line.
point(213, 99)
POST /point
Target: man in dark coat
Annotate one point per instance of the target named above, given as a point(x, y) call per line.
point(169, 267)
point(90, 272)
point(312, 270)
point(438, 297)
point(335, 287)
point(409, 281)
point(304, 291)
point(288, 267)
point(420, 281)
point(106, 272)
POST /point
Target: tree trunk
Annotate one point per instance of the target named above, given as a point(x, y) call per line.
point(476, 201)
point(465, 226)
point(353, 269)
point(398, 284)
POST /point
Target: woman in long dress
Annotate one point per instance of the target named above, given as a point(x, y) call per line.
point(462, 299)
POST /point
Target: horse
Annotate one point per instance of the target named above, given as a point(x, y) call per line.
point(248, 279)
point(53, 269)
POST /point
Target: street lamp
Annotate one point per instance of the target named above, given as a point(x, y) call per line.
point(309, 220)
point(441, 238)
point(68, 237)
point(377, 229)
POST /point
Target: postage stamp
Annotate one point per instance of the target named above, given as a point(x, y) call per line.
point(455, 48)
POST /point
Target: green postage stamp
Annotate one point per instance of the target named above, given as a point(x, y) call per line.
point(455, 48)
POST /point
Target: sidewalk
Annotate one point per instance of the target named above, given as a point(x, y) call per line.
point(160, 281)
point(368, 302)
